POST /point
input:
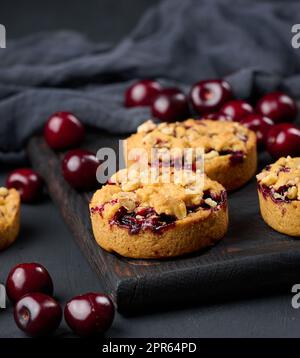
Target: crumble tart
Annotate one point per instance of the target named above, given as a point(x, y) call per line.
point(9, 216)
point(158, 220)
point(279, 195)
point(230, 155)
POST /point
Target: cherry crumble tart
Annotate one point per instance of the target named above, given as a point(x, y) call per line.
point(9, 216)
point(279, 195)
point(229, 147)
point(140, 219)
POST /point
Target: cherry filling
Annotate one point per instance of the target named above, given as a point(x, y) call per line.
point(268, 167)
point(148, 219)
point(268, 191)
point(284, 169)
point(145, 218)
point(236, 157)
point(220, 199)
point(100, 208)
point(176, 163)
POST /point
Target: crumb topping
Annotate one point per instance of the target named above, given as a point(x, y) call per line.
point(8, 205)
point(215, 137)
point(175, 198)
point(283, 178)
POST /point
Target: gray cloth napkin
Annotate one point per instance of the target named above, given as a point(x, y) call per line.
point(246, 41)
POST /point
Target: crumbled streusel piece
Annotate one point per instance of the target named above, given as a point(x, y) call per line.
point(283, 178)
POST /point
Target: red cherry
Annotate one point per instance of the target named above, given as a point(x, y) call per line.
point(237, 109)
point(258, 124)
point(170, 105)
point(142, 93)
point(63, 130)
point(89, 314)
point(208, 96)
point(28, 183)
point(218, 117)
point(79, 169)
point(278, 106)
point(28, 277)
point(283, 140)
point(37, 314)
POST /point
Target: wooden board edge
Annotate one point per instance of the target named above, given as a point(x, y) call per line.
point(63, 190)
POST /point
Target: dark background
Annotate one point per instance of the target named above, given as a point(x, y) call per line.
point(101, 20)
point(44, 237)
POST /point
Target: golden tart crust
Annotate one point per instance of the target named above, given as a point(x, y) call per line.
point(9, 216)
point(229, 148)
point(168, 219)
point(279, 195)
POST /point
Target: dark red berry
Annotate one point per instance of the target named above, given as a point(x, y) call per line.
point(237, 109)
point(28, 183)
point(37, 314)
point(259, 124)
point(142, 93)
point(63, 130)
point(278, 106)
point(218, 117)
point(89, 314)
point(28, 277)
point(283, 140)
point(208, 96)
point(79, 169)
point(170, 105)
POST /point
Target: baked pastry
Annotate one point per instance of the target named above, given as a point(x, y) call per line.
point(229, 148)
point(140, 219)
point(279, 195)
point(9, 216)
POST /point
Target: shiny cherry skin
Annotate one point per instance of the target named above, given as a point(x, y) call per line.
point(283, 140)
point(208, 96)
point(28, 277)
point(79, 169)
point(63, 130)
point(218, 117)
point(142, 93)
point(170, 105)
point(37, 314)
point(278, 106)
point(237, 109)
point(89, 314)
point(258, 124)
point(28, 183)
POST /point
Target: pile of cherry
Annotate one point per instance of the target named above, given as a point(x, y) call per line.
point(62, 131)
point(29, 286)
point(213, 99)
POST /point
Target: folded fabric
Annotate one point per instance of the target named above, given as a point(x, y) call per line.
point(249, 44)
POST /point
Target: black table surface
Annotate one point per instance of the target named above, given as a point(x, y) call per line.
point(45, 238)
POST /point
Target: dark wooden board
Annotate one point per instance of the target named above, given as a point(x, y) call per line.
point(250, 259)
